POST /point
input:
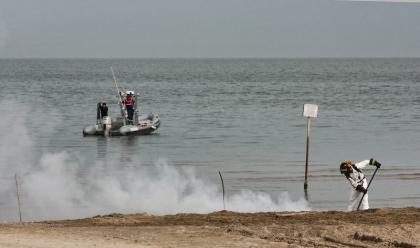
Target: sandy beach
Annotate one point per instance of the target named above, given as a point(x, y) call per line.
point(371, 228)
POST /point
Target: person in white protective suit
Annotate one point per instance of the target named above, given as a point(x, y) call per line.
point(358, 181)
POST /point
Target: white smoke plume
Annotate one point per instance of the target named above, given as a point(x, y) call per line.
point(62, 185)
point(56, 191)
point(4, 34)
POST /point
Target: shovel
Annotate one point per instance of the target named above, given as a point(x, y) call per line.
point(367, 187)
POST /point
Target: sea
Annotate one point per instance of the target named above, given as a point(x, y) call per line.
point(242, 117)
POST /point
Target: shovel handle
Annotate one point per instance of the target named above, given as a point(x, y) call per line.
point(363, 196)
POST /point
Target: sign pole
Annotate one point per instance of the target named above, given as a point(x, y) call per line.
point(308, 134)
point(309, 111)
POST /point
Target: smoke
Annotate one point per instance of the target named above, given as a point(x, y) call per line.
point(57, 191)
point(15, 141)
point(4, 35)
point(63, 185)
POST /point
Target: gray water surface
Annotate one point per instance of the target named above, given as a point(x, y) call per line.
point(242, 117)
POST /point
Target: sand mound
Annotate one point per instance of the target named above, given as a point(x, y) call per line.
point(371, 228)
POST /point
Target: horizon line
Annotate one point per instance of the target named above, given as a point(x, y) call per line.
point(233, 57)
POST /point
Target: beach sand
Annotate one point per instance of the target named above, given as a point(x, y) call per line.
point(372, 228)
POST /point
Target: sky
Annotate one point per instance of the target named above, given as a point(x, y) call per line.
point(208, 28)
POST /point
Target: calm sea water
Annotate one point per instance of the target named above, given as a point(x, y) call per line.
point(242, 117)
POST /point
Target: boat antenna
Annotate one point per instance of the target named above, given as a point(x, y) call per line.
point(119, 95)
point(115, 82)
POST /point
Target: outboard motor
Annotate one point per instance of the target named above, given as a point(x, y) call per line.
point(107, 125)
point(98, 112)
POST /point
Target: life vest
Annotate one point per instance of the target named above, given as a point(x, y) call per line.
point(128, 101)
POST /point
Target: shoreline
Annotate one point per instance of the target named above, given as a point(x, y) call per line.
point(385, 227)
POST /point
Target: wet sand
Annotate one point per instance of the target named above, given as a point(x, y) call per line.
point(372, 228)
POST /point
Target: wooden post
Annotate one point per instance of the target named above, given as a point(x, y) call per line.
point(18, 198)
point(223, 189)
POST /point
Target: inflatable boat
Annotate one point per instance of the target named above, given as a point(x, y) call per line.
point(129, 122)
point(116, 127)
point(124, 125)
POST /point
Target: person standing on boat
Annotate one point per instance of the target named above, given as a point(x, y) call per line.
point(104, 110)
point(358, 181)
point(129, 106)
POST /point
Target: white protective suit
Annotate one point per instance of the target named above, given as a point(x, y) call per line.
point(358, 178)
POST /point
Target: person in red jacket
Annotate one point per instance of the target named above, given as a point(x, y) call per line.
point(129, 105)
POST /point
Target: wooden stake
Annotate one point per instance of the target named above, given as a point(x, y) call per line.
point(18, 198)
point(223, 189)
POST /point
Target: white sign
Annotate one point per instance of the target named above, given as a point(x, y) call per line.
point(310, 110)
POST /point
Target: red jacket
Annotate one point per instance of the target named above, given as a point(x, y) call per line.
point(129, 101)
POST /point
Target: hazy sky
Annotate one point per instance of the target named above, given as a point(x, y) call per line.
point(209, 28)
